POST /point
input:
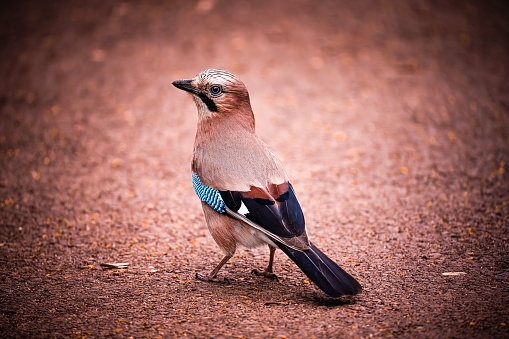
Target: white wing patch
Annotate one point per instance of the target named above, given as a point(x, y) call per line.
point(243, 209)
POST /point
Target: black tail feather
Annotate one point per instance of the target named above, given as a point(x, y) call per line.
point(324, 272)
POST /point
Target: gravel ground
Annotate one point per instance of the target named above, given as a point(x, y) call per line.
point(391, 118)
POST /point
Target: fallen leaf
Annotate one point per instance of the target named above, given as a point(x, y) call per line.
point(120, 265)
point(115, 163)
point(276, 303)
point(36, 175)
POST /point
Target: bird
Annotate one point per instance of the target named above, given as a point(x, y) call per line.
point(246, 196)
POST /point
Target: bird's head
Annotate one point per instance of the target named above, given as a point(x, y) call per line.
point(217, 92)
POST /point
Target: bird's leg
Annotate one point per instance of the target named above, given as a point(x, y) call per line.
point(268, 271)
point(271, 259)
point(213, 274)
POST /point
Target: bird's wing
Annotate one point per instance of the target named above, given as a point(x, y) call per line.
point(274, 211)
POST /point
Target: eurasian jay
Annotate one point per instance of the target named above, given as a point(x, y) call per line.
point(246, 196)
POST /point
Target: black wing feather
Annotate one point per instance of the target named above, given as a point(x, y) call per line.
point(267, 216)
point(282, 216)
point(291, 211)
point(324, 272)
point(232, 199)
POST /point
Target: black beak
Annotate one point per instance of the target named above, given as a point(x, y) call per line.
point(185, 85)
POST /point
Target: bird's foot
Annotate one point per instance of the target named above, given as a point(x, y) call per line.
point(265, 274)
point(207, 278)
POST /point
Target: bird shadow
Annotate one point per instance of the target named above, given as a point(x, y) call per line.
point(239, 286)
point(318, 299)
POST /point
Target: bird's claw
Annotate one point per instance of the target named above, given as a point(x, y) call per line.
point(207, 278)
point(265, 274)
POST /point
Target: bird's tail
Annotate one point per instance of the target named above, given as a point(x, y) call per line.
point(324, 272)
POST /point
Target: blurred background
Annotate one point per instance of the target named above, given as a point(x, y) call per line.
point(390, 118)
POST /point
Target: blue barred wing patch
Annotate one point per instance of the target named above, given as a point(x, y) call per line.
point(208, 194)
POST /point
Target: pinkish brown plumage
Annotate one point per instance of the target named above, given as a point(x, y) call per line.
point(260, 206)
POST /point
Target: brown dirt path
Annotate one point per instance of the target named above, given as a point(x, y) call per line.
point(391, 118)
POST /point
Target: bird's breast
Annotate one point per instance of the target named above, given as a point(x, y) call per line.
point(236, 162)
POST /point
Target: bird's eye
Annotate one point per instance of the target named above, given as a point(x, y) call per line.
point(215, 89)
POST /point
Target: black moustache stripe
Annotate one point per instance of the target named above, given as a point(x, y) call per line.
point(207, 101)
